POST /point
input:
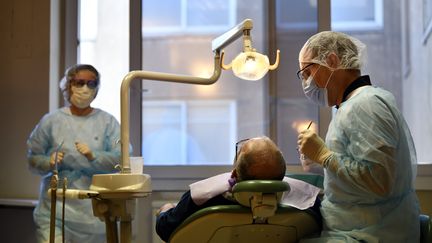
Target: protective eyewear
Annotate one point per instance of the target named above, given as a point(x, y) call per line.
point(92, 84)
point(301, 73)
point(238, 146)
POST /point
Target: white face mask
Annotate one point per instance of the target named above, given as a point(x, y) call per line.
point(82, 96)
point(314, 93)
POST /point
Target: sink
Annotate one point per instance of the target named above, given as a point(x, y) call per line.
point(121, 184)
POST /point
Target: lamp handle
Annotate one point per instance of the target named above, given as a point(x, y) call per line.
point(276, 64)
point(223, 66)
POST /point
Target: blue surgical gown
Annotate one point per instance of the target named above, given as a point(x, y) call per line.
point(101, 132)
point(369, 195)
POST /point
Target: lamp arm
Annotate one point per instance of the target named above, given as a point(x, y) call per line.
point(231, 35)
point(124, 99)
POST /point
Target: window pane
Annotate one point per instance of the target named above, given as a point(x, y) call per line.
point(104, 43)
point(161, 13)
point(207, 12)
point(296, 14)
point(356, 15)
point(204, 118)
point(163, 133)
point(180, 17)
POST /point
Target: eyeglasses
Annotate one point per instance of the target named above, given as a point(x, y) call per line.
point(92, 84)
point(300, 73)
point(238, 146)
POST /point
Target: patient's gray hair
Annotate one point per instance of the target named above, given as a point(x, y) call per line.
point(260, 159)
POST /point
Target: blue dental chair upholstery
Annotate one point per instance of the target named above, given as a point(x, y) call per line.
point(258, 218)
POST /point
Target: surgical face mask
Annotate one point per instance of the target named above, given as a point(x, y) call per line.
point(82, 96)
point(316, 94)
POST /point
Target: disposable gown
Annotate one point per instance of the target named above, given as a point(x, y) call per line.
point(369, 195)
point(100, 131)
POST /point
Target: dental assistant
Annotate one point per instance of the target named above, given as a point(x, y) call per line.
point(86, 141)
point(368, 156)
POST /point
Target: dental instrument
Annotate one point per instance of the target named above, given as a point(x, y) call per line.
point(310, 123)
point(53, 185)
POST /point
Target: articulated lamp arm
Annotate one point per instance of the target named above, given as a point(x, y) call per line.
point(138, 75)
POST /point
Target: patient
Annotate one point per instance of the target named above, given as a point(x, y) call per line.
point(257, 159)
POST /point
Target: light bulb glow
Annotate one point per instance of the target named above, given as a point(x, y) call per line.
point(250, 65)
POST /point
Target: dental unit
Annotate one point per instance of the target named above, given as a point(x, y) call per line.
point(114, 195)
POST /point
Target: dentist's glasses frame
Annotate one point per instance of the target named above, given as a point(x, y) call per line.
point(238, 146)
point(300, 73)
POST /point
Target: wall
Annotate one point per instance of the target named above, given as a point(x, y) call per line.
point(24, 75)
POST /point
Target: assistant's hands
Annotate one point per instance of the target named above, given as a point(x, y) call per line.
point(53, 158)
point(85, 150)
point(313, 147)
point(82, 148)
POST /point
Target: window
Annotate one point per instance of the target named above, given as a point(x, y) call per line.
point(301, 16)
point(104, 43)
point(296, 15)
point(182, 132)
point(171, 17)
point(360, 15)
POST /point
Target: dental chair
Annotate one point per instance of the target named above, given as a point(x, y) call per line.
point(258, 218)
point(425, 229)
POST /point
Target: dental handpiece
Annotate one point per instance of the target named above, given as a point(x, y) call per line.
point(302, 156)
point(55, 158)
point(74, 193)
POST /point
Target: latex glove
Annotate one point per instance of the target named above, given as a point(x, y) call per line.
point(53, 158)
point(313, 147)
point(310, 166)
point(85, 150)
point(306, 162)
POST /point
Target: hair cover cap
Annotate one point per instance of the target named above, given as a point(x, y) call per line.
point(348, 49)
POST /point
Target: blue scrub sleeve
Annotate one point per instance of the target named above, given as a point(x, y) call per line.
point(366, 159)
point(38, 154)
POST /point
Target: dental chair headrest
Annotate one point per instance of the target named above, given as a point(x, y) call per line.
point(262, 196)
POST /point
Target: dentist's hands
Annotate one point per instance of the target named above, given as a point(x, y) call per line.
point(85, 150)
point(313, 147)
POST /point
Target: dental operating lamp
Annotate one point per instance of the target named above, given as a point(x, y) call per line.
point(248, 65)
point(113, 194)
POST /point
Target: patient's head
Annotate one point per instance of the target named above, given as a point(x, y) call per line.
point(259, 159)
